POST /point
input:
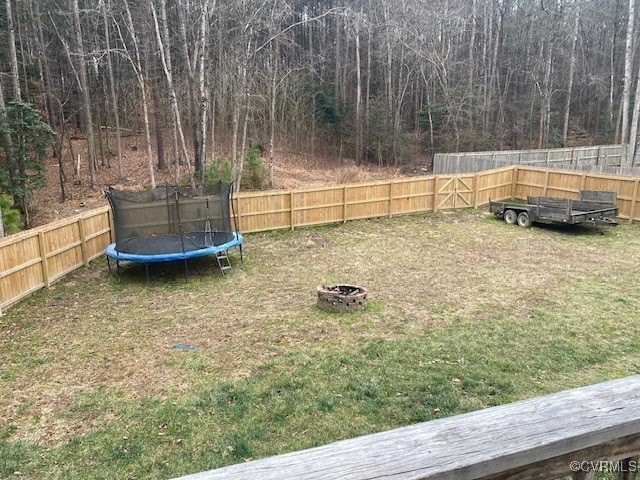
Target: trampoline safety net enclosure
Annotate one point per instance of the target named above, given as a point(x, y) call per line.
point(172, 223)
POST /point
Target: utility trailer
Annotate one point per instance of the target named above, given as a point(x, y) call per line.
point(594, 206)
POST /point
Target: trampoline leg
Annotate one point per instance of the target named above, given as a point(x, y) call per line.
point(109, 265)
point(118, 268)
point(146, 267)
point(186, 269)
point(241, 252)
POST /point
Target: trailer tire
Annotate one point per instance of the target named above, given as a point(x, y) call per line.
point(524, 220)
point(510, 216)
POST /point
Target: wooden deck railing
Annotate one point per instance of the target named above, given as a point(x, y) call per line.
point(577, 433)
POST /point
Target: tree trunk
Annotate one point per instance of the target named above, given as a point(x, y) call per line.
point(157, 115)
point(167, 60)
point(137, 66)
point(204, 93)
point(13, 55)
point(612, 68)
point(7, 143)
point(572, 66)
point(358, 120)
point(22, 200)
point(192, 109)
point(472, 56)
point(172, 93)
point(45, 73)
point(367, 110)
point(628, 72)
point(633, 151)
point(106, 6)
point(241, 102)
point(272, 110)
point(86, 95)
point(493, 79)
point(545, 100)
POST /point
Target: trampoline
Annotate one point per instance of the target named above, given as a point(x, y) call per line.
point(172, 224)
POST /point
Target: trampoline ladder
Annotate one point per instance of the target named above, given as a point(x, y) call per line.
point(223, 261)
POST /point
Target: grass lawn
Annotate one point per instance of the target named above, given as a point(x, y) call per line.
point(465, 312)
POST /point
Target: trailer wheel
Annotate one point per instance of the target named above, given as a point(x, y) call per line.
point(524, 220)
point(510, 216)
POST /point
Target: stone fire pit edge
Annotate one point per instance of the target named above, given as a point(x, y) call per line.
point(342, 298)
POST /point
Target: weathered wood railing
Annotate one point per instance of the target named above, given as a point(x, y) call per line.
point(576, 433)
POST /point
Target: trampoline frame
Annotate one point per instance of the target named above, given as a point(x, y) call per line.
point(184, 255)
point(111, 252)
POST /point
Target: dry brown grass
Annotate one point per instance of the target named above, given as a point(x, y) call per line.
point(91, 333)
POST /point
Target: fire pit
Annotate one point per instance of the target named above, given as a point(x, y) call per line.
point(342, 298)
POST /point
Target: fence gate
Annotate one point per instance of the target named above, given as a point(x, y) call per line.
point(455, 192)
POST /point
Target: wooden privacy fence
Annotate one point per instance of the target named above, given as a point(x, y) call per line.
point(576, 433)
point(612, 159)
point(323, 205)
point(34, 259)
point(561, 183)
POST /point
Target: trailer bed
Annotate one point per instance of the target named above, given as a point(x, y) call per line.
point(593, 207)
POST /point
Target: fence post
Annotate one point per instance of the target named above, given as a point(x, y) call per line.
point(625, 155)
point(634, 200)
point(390, 198)
point(44, 260)
point(292, 211)
point(435, 194)
point(112, 230)
point(238, 214)
point(514, 181)
point(546, 183)
point(83, 241)
point(475, 191)
point(344, 204)
point(599, 155)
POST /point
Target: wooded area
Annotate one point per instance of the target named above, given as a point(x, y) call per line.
point(202, 81)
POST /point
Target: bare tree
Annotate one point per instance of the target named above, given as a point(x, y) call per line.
point(106, 6)
point(15, 76)
point(136, 63)
point(359, 154)
point(50, 101)
point(84, 90)
point(5, 137)
point(628, 72)
point(572, 66)
point(172, 94)
point(204, 93)
point(634, 150)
